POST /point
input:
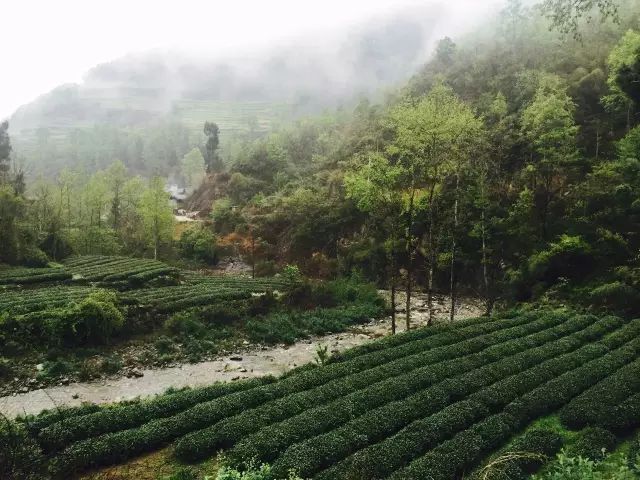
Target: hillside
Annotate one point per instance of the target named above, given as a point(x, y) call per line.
point(136, 97)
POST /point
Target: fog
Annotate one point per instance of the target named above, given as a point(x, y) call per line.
point(53, 43)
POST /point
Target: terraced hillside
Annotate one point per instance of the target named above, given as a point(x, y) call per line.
point(432, 403)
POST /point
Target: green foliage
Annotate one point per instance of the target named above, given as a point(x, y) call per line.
point(199, 244)
point(20, 456)
point(226, 218)
point(157, 215)
point(193, 167)
point(251, 472)
point(592, 443)
point(568, 467)
point(629, 145)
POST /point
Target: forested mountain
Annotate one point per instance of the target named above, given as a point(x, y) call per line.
point(147, 109)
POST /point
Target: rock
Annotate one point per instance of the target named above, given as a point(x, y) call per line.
point(235, 358)
point(24, 390)
point(245, 342)
point(75, 396)
point(235, 378)
point(135, 373)
point(243, 370)
point(33, 381)
point(40, 367)
point(65, 381)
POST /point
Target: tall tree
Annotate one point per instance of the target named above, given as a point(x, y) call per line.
point(213, 161)
point(157, 215)
point(193, 167)
point(376, 186)
point(434, 140)
point(116, 177)
point(5, 152)
point(624, 76)
point(549, 127)
point(565, 15)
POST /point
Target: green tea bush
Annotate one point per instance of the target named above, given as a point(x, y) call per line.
point(374, 422)
point(113, 447)
point(20, 455)
point(592, 443)
point(443, 463)
point(490, 388)
point(70, 429)
point(596, 406)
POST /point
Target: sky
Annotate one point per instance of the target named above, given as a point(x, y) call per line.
point(47, 43)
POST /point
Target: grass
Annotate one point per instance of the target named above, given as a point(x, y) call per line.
point(152, 466)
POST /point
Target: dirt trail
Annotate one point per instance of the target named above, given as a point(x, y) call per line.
point(251, 362)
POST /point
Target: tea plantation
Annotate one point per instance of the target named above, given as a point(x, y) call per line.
point(433, 403)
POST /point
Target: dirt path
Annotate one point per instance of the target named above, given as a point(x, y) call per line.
point(249, 363)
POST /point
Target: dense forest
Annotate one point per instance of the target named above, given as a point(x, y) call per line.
point(506, 169)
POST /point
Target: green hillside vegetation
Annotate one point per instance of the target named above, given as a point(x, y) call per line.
point(433, 401)
point(506, 169)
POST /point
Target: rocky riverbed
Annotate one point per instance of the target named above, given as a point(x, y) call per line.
point(248, 362)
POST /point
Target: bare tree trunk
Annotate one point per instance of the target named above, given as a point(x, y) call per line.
point(409, 246)
point(431, 257)
point(452, 282)
point(253, 256)
point(394, 269)
point(597, 141)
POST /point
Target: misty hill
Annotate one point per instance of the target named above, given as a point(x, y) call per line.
point(243, 94)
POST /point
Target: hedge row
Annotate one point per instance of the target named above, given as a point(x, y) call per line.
point(70, 429)
point(34, 275)
point(35, 424)
point(594, 406)
point(508, 376)
point(421, 333)
point(625, 417)
point(392, 378)
point(525, 455)
point(114, 447)
point(451, 458)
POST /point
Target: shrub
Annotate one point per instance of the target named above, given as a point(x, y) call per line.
point(266, 268)
point(55, 369)
point(592, 443)
point(97, 319)
point(6, 368)
point(617, 296)
point(55, 433)
point(199, 244)
point(34, 257)
point(20, 456)
point(185, 323)
point(597, 405)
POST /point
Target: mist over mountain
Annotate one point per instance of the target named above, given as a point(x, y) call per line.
point(279, 82)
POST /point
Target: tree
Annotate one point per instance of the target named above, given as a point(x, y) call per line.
point(5, 152)
point(548, 125)
point(11, 209)
point(376, 186)
point(193, 167)
point(445, 50)
point(565, 15)
point(212, 159)
point(624, 75)
point(434, 139)
point(157, 215)
point(116, 177)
